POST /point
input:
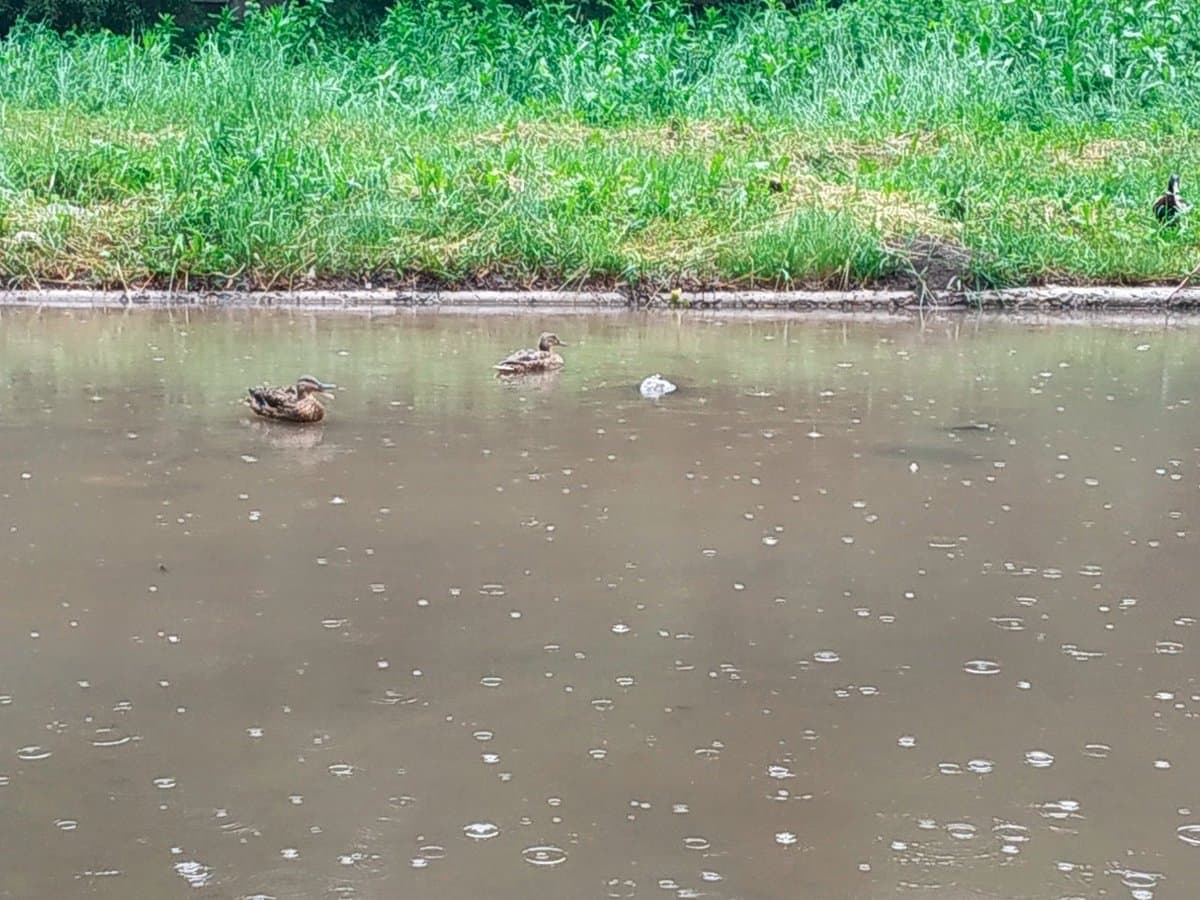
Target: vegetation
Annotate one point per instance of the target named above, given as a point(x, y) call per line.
point(480, 143)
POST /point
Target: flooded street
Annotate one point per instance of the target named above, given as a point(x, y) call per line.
point(866, 609)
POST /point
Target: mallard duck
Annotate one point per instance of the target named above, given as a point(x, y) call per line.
point(292, 404)
point(1170, 205)
point(543, 359)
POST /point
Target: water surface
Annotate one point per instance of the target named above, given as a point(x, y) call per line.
point(865, 610)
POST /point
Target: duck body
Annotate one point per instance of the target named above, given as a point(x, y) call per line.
point(541, 359)
point(294, 403)
point(1170, 205)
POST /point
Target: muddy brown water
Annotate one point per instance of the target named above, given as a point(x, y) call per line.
point(792, 632)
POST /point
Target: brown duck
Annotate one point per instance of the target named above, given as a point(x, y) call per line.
point(295, 403)
point(543, 359)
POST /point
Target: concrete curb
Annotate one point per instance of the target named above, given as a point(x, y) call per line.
point(1100, 299)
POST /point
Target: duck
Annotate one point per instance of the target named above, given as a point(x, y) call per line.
point(294, 403)
point(543, 359)
point(1170, 205)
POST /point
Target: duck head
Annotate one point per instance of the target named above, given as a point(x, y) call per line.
point(548, 340)
point(306, 385)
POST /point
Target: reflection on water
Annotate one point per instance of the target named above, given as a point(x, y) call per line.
point(863, 609)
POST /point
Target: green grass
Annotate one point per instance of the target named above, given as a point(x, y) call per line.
point(474, 143)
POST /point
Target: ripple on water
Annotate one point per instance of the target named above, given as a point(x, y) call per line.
point(1141, 884)
point(1058, 810)
point(981, 667)
point(544, 855)
point(481, 831)
point(196, 874)
point(1189, 834)
point(696, 842)
point(1039, 759)
point(1097, 751)
point(33, 753)
point(961, 831)
point(826, 656)
point(110, 737)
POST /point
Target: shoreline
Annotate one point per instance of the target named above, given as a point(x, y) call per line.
point(1051, 298)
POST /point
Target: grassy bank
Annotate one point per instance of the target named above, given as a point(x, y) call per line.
point(1007, 142)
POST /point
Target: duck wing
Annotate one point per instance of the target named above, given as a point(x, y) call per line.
point(521, 360)
point(271, 402)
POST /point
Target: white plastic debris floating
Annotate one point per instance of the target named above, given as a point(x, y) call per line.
point(656, 386)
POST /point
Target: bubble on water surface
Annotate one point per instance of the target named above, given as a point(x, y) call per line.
point(1169, 648)
point(1039, 759)
point(826, 656)
point(696, 842)
point(907, 741)
point(481, 831)
point(544, 855)
point(491, 681)
point(1097, 751)
point(981, 766)
point(981, 667)
point(66, 824)
point(620, 628)
point(341, 770)
point(785, 838)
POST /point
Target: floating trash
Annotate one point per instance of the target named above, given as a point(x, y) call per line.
point(656, 386)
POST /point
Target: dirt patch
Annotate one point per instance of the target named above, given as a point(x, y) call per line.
point(930, 266)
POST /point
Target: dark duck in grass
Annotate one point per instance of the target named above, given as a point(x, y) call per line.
point(1170, 205)
point(543, 359)
point(295, 403)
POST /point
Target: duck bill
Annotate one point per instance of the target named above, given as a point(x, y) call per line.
point(327, 390)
